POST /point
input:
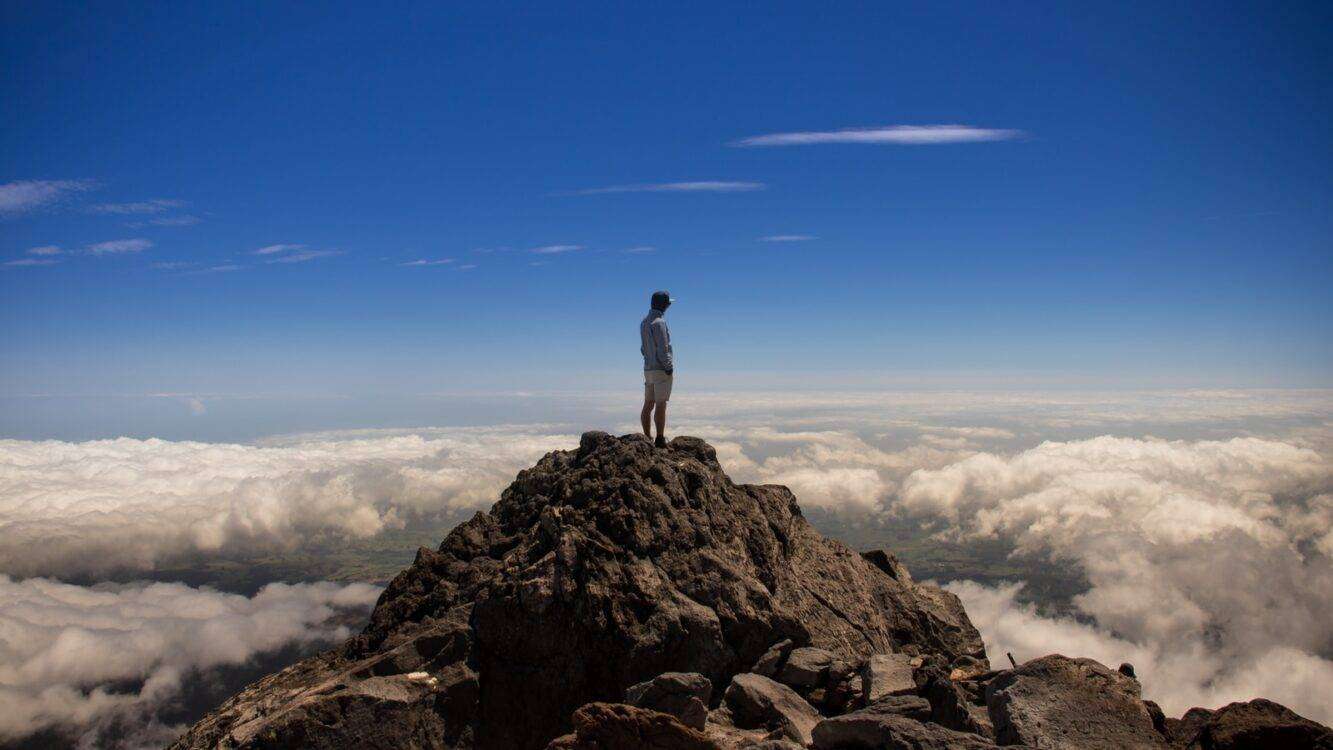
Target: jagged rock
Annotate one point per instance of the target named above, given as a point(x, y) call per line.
point(773, 659)
point(887, 674)
point(421, 693)
point(1056, 702)
point(684, 695)
point(913, 707)
point(843, 690)
point(1249, 726)
point(873, 729)
point(806, 667)
point(600, 568)
point(951, 705)
point(757, 701)
point(617, 726)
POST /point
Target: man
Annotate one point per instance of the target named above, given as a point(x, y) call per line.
point(658, 366)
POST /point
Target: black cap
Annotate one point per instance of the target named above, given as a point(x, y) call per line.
point(661, 300)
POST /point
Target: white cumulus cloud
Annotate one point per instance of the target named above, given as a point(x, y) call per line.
point(75, 657)
point(1214, 551)
point(73, 508)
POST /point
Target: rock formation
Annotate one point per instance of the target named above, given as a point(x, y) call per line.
point(621, 596)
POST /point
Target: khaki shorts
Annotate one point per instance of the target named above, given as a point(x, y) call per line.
point(656, 385)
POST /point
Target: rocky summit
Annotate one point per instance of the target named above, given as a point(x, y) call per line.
point(622, 596)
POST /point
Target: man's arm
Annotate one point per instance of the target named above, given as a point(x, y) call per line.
point(662, 346)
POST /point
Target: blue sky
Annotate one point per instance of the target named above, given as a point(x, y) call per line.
point(1136, 195)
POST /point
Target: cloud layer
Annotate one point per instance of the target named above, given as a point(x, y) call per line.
point(64, 646)
point(1207, 560)
point(84, 508)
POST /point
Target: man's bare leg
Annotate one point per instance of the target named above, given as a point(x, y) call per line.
point(645, 416)
point(659, 417)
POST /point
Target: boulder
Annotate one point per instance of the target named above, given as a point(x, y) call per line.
point(773, 659)
point(806, 667)
point(617, 726)
point(951, 706)
point(887, 674)
point(912, 706)
point(1056, 702)
point(757, 701)
point(684, 695)
point(1250, 726)
point(873, 729)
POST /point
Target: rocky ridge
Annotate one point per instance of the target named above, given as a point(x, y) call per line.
point(621, 596)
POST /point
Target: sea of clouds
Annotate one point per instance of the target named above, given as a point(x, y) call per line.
point(1202, 522)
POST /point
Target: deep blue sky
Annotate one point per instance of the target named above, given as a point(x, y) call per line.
point(1164, 216)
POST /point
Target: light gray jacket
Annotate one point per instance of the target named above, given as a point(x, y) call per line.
point(655, 342)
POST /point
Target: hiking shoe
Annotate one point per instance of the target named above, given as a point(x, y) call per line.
point(660, 442)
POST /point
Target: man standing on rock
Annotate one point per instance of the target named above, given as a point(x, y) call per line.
point(659, 366)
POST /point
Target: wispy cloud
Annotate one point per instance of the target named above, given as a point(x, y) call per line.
point(44, 250)
point(154, 206)
point(170, 265)
point(118, 247)
point(467, 266)
point(704, 186)
point(306, 255)
point(556, 249)
point(641, 249)
point(275, 249)
point(166, 221)
point(427, 262)
point(27, 262)
point(28, 195)
point(903, 135)
point(225, 268)
point(788, 238)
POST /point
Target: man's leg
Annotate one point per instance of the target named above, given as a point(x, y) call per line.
point(660, 418)
point(645, 415)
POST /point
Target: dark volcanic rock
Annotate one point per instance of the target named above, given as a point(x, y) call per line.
point(872, 728)
point(1056, 702)
point(1250, 726)
point(756, 701)
point(616, 726)
point(599, 568)
point(684, 695)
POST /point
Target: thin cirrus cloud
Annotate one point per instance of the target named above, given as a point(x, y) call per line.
point(154, 206)
point(120, 247)
point(288, 253)
point(275, 249)
point(166, 221)
point(900, 135)
point(30, 262)
point(788, 238)
point(44, 250)
point(428, 262)
point(641, 250)
point(305, 256)
point(556, 249)
point(702, 186)
point(25, 196)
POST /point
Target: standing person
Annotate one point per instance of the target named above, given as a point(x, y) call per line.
point(659, 366)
